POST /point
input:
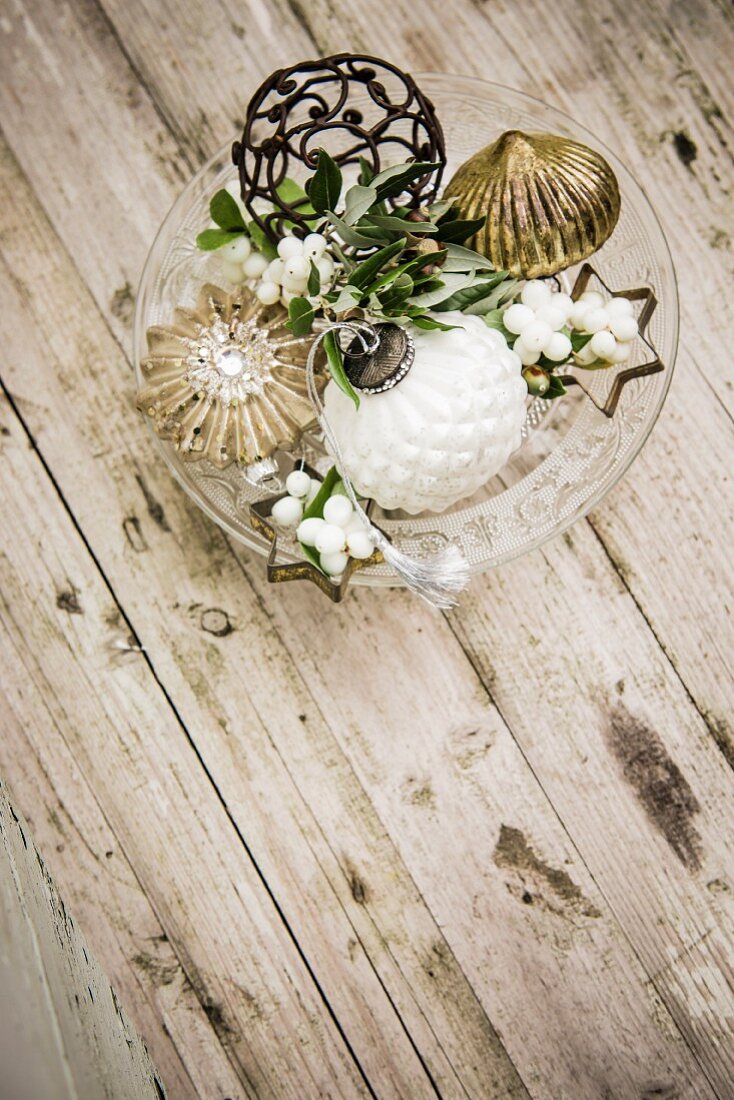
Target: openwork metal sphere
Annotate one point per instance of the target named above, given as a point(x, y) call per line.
point(355, 107)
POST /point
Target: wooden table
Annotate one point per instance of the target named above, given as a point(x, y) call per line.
point(498, 865)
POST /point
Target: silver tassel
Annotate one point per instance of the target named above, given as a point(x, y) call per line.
point(446, 573)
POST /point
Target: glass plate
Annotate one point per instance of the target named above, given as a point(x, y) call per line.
point(571, 455)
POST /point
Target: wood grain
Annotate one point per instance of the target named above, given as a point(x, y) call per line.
point(532, 816)
point(63, 1035)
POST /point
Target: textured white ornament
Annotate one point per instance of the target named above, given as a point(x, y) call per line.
point(443, 431)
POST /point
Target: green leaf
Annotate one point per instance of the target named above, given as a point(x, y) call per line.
point(439, 209)
point(290, 192)
point(412, 266)
point(459, 229)
point(325, 185)
point(556, 389)
point(349, 235)
point(357, 202)
point(300, 316)
point(212, 239)
point(365, 272)
point(261, 241)
point(430, 324)
point(452, 284)
point(459, 258)
point(366, 172)
point(392, 181)
point(314, 280)
point(225, 212)
point(401, 225)
point(347, 298)
point(316, 507)
point(493, 319)
point(336, 367)
point(398, 292)
point(579, 340)
point(477, 290)
point(501, 294)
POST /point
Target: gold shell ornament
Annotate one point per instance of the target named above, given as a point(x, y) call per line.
point(550, 202)
point(227, 380)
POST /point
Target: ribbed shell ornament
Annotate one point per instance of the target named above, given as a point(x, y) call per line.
point(227, 380)
point(549, 202)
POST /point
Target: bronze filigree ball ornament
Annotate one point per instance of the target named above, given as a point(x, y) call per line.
point(312, 105)
point(412, 331)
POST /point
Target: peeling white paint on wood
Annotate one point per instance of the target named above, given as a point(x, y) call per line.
point(62, 1031)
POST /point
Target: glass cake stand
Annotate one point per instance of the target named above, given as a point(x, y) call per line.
point(572, 453)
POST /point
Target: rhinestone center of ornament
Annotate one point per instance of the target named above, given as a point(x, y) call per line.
point(231, 361)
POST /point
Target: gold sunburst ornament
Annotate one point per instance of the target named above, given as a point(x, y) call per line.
point(227, 380)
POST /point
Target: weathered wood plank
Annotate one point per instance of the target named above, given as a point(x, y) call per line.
point(62, 1031)
point(100, 888)
point(130, 748)
point(511, 961)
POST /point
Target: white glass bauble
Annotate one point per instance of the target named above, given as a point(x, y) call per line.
point(443, 431)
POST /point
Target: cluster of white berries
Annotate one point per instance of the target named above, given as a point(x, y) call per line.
point(536, 320)
point(283, 278)
point(286, 277)
point(337, 536)
point(612, 324)
point(540, 315)
point(241, 260)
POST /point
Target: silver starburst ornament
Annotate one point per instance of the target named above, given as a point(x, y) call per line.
point(227, 380)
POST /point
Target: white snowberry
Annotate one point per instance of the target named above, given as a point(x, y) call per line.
point(314, 245)
point(593, 298)
point(551, 315)
point(330, 539)
point(623, 326)
point(615, 306)
point(315, 487)
point(255, 265)
point(308, 530)
point(334, 563)
point(232, 272)
point(563, 302)
point(621, 353)
point(603, 344)
point(287, 511)
point(296, 268)
point(338, 510)
point(577, 316)
point(237, 250)
point(558, 347)
point(536, 335)
point(535, 294)
point(527, 357)
point(268, 293)
point(360, 544)
point(294, 286)
point(325, 268)
point(298, 483)
point(516, 317)
point(274, 271)
point(595, 319)
point(288, 247)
